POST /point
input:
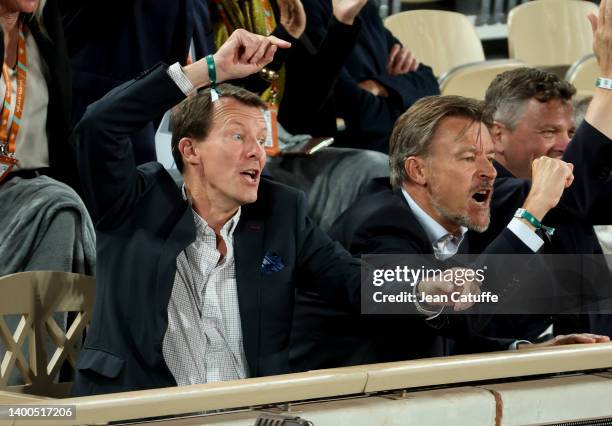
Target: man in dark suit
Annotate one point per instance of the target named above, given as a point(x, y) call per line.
point(441, 185)
point(157, 247)
point(196, 285)
point(533, 118)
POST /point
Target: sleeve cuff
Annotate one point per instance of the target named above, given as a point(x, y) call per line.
point(175, 71)
point(514, 345)
point(429, 314)
point(526, 235)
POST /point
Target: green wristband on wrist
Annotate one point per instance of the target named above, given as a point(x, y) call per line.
point(212, 75)
point(524, 214)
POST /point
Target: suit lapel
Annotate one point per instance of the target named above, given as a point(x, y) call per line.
point(248, 249)
point(180, 237)
point(413, 222)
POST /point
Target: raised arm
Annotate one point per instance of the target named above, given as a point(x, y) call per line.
point(111, 181)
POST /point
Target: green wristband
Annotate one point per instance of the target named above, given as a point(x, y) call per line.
point(212, 70)
point(524, 214)
point(212, 75)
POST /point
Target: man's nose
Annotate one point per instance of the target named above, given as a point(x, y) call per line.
point(486, 170)
point(561, 143)
point(565, 140)
point(256, 149)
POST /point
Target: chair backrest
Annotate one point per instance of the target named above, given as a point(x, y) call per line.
point(583, 74)
point(440, 39)
point(472, 80)
point(550, 32)
point(35, 299)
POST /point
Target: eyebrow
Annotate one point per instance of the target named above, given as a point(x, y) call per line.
point(234, 122)
point(550, 126)
point(555, 126)
point(473, 150)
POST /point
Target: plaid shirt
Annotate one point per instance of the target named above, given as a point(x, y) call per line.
point(203, 342)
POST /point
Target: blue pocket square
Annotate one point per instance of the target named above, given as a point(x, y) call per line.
point(272, 262)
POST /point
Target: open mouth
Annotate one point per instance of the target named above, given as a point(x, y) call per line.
point(482, 196)
point(251, 175)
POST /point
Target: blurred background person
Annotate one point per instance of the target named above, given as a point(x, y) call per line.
point(43, 223)
point(118, 40)
point(379, 81)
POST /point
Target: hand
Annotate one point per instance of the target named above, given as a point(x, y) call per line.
point(292, 17)
point(374, 87)
point(549, 177)
point(602, 37)
point(346, 11)
point(245, 53)
point(438, 287)
point(570, 339)
point(401, 60)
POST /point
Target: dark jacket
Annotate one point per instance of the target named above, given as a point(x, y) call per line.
point(143, 223)
point(586, 202)
point(381, 222)
point(120, 40)
point(369, 119)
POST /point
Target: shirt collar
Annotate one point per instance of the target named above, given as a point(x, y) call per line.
point(202, 226)
point(436, 233)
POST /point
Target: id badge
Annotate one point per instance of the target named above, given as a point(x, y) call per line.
point(272, 144)
point(6, 165)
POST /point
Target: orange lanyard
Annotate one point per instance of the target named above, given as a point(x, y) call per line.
point(9, 135)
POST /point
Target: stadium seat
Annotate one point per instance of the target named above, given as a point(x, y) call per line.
point(472, 80)
point(440, 39)
point(583, 74)
point(546, 33)
point(35, 299)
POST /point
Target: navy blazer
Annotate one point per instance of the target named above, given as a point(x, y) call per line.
point(381, 222)
point(142, 225)
point(586, 202)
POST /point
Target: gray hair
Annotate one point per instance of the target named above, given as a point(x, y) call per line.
point(509, 92)
point(414, 130)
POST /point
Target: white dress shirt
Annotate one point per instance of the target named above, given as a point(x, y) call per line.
point(445, 245)
point(203, 342)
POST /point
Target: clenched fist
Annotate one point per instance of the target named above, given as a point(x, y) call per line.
point(549, 178)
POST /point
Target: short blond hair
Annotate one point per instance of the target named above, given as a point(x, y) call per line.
point(414, 130)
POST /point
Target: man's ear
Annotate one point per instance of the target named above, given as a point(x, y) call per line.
point(187, 148)
point(497, 130)
point(416, 169)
